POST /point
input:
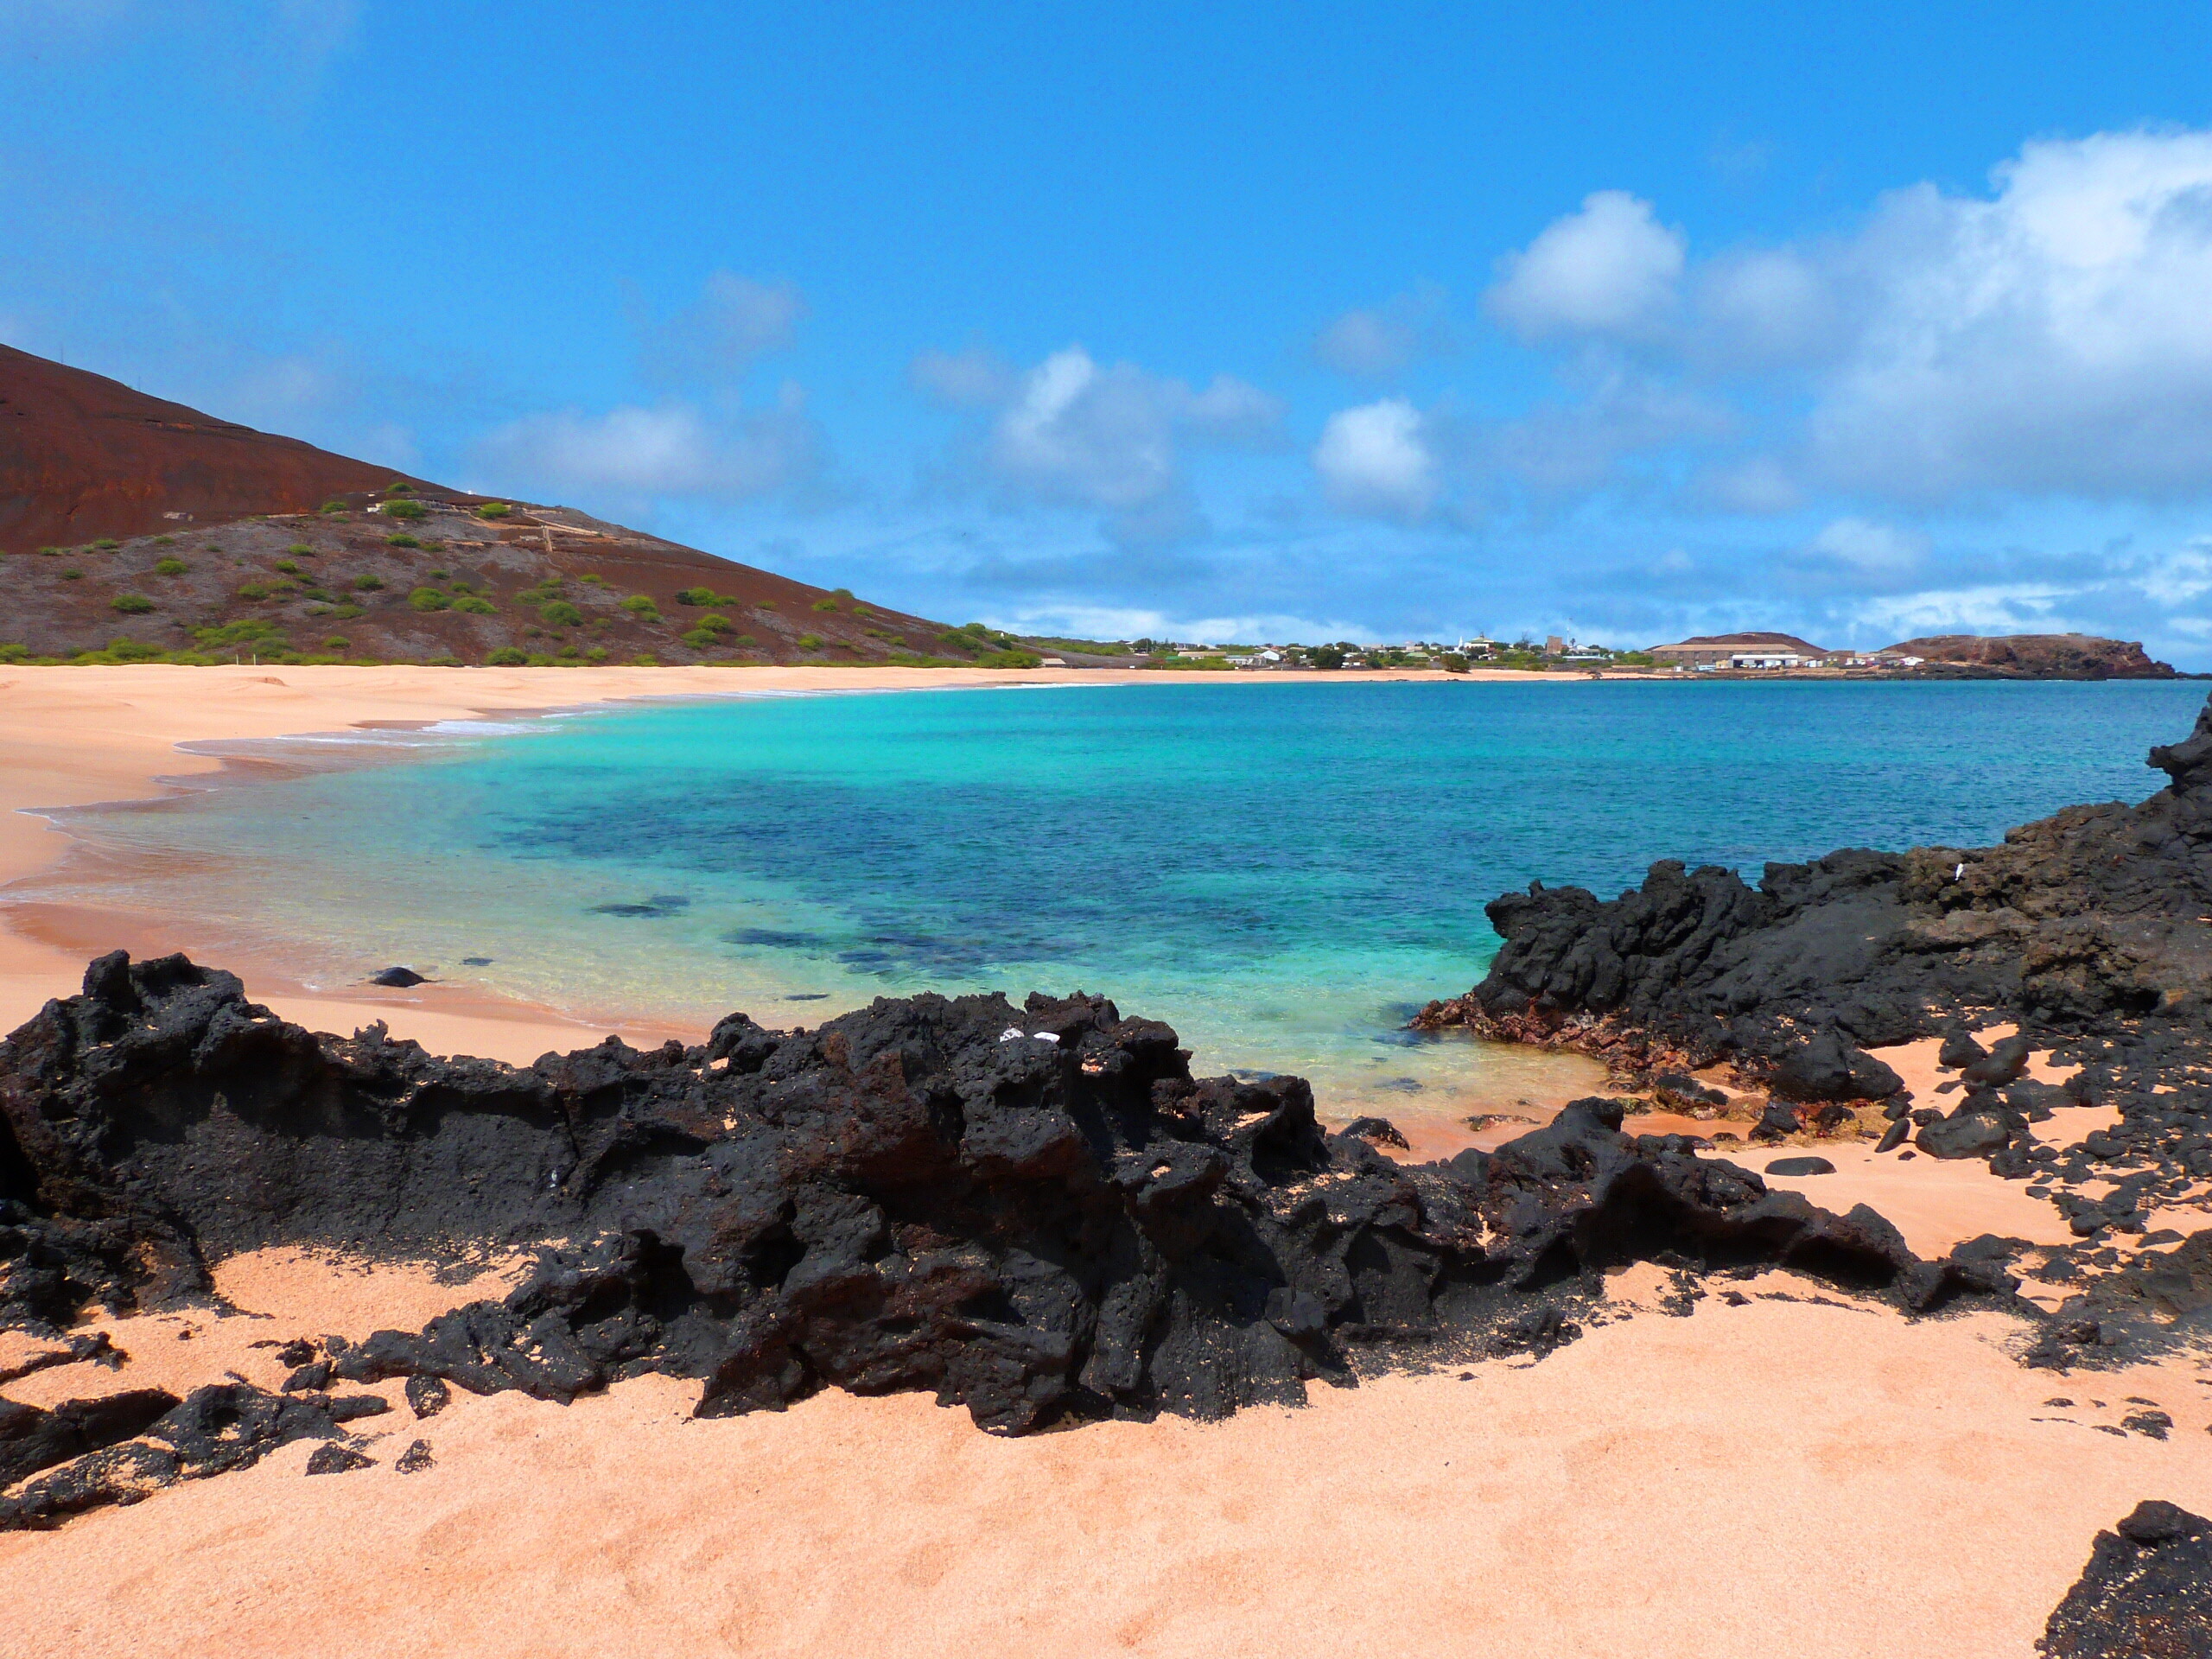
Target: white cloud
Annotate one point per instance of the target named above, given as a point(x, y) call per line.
point(1235, 411)
point(2054, 339)
point(671, 449)
point(1077, 432)
point(735, 321)
point(2018, 607)
point(1610, 268)
point(2178, 578)
point(975, 377)
point(1871, 549)
point(2051, 338)
point(1074, 432)
point(1389, 338)
point(1376, 459)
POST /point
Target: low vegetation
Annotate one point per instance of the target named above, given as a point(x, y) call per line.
point(132, 604)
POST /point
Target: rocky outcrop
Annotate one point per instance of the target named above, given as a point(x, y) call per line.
point(2039, 656)
point(2093, 924)
point(126, 1447)
point(2146, 1591)
point(2090, 930)
point(1036, 1213)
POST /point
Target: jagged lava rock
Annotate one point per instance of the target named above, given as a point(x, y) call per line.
point(2091, 929)
point(927, 1193)
point(2146, 1592)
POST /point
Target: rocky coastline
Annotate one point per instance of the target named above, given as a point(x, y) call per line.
point(1040, 1213)
point(1037, 1212)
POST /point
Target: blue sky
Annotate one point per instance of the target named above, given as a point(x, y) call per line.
point(1287, 321)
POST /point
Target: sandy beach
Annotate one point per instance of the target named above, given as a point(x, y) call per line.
point(1780, 1464)
point(1788, 1467)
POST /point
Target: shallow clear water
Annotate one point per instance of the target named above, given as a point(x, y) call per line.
point(1282, 871)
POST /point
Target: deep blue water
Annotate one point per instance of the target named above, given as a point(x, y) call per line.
point(1281, 870)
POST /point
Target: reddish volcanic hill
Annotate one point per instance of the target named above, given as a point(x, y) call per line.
point(82, 457)
point(142, 528)
point(2042, 656)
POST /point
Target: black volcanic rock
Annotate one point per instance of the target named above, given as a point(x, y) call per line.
point(2091, 929)
point(212, 1430)
point(927, 1193)
point(2146, 1592)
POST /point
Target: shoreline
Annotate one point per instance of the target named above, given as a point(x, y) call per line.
point(113, 736)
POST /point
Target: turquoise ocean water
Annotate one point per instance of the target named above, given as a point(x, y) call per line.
point(1283, 871)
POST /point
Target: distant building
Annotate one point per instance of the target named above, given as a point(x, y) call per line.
point(1768, 659)
point(1719, 650)
point(1553, 646)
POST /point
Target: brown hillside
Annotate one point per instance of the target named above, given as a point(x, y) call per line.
point(82, 457)
point(2043, 656)
point(1759, 642)
point(359, 583)
point(100, 485)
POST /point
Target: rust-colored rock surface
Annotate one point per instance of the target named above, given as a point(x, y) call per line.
point(82, 457)
point(2039, 656)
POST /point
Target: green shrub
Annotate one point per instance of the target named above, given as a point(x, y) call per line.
point(406, 509)
point(170, 567)
point(700, 639)
point(107, 544)
point(475, 607)
point(493, 509)
point(132, 604)
point(644, 659)
point(336, 642)
point(1010, 660)
point(810, 642)
point(959, 642)
point(715, 622)
point(694, 595)
point(73, 573)
point(542, 661)
point(347, 613)
point(249, 631)
point(368, 583)
point(401, 538)
point(596, 654)
point(334, 506)
point(595, 580)
point(52, 552)
point(1453, 663)
point(825, 604)
point(301, 551)
point(559, 613)
point(254, 590)
point(399, 486)
point(428, 598)
point(13, 654)
point(290, 568)
point(747, 639)
point(164, 541)
point(504, 656)
point(641, 606)
point(441, 576)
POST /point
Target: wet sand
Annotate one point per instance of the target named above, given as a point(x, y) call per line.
point(1818, 1477)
